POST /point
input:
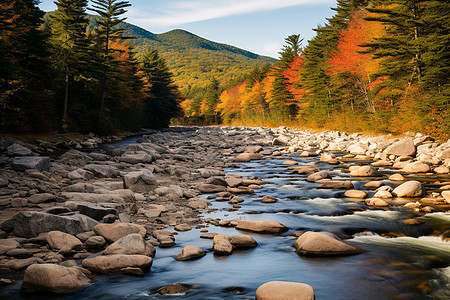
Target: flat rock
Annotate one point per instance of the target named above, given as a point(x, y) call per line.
point(104, 171)
point(175, 289)
point(211, 188)
point(113, 263)
point(55, 278)
point(323, 244)
point(246, 157)
point(113, 232)
point(269, 199)
point(190, 252)
point(18, 150)
point(262, 226)
point(446, 195)
point(282, 290)
point(397, 177)
point(130, 244)
point(337, 184)
point(306, 170)
point(183, 227)
point(355, 194)
point(242, 241)
point(8, 244)
point(376, 202)
point(41, 198)
point(374, 184)
point(409, 189)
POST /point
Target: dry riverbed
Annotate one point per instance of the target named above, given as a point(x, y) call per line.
point(57, 213)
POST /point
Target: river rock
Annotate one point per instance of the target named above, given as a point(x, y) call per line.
point(397, 177)
point(374, 184)
point(446, 195)
point(323, 244)
point(30, 223)
point(175, 289)
point(282, 290)
point(382, 194)
point(40, 163)
point(54, 278)
point(358, 149)
point(63, 242)
point(95, 211)
point(41, 198)
point(113, 232)
point(318, 176)
point(140, 181)
point(306, 170)
point(409, 189)
point(8, 244)
point(19, 253)
point(376, 202)
point(403, 147)
point(290, 163)
point(246, 157)
point(365, 171)
point(104, 171)
point(130, 244)
point(242, 241)
point(93, 197)
point(337, 184)
point(136, 158)
point(269, 199)
point(211, 188)
point(190, 252)
point(95, 242)
point(262, 226)
point(183, 227)
point(221, 245)
point(113, 263)
point(355, 194)
point(18, 150)
point(416, 167)
point(441, 170)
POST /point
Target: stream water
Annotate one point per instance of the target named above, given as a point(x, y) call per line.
point(414, 266)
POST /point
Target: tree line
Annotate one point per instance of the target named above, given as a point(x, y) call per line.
point(72, 71)
point(381, 66)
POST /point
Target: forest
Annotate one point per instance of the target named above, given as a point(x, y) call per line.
point(61, 73)
point(375, 66)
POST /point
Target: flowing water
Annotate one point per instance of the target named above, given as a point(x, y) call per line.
point(413, 266)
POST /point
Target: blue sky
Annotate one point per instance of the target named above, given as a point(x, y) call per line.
point(259, 26)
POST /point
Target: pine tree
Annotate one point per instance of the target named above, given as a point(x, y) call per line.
point(109, 12)
point(162, 95)
point(68, 37)
point(24, 67)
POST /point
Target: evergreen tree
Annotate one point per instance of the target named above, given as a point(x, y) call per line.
point(162, 97)
point(211, 97)
point(24, 67)
point(68, 37)
point(109, 12)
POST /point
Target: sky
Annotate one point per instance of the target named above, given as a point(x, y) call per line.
point(259, 26)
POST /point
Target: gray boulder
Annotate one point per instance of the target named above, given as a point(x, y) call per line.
point(140, 181)
point(18, 150)
point(40, 163)
point(31, 223)
point(103, 170)
point(402, 147)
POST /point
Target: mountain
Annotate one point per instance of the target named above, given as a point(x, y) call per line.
point(193, 60)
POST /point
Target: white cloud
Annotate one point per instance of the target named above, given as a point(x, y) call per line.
point(182, 12)
point(269, 49)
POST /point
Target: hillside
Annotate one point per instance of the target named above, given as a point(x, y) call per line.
point(194, 60)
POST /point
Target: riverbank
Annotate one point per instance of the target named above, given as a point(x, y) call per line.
point(157, 183)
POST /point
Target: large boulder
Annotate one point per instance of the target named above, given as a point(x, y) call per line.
point(242, 241)
point(113, 263)
point(323, 244)
point(409, 189)
point(63, 242)
point(55, 278)
point(113, 232)
point(140, 181)
point(282, 290)
point(262, 226)
point(31, 223)
point(190, 252)
point(40, 163)
point(365, 171)
point(403, 147)
point(130, 244)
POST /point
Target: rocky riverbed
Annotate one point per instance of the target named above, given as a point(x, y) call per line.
point(86, 213)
